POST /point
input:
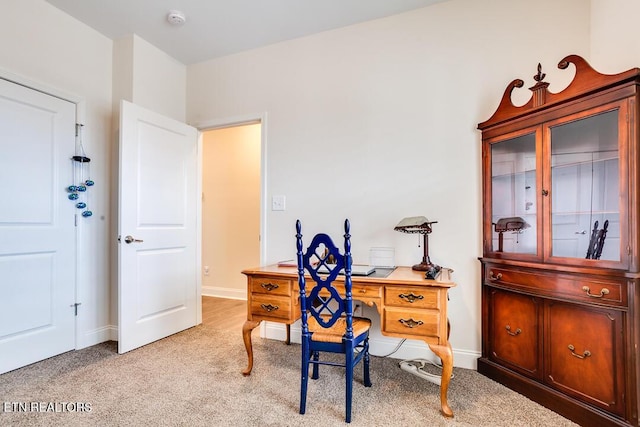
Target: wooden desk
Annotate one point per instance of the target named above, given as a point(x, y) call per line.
point(409, 306)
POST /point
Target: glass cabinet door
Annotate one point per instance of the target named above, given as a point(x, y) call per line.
point(513, 195)
point(585, 188)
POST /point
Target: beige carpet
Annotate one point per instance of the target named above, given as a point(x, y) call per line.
point(193, 379)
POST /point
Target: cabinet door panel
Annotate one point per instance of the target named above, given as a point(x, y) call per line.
point(586, 185)
point(513, 195)
point(584, 355)
point(514, 331)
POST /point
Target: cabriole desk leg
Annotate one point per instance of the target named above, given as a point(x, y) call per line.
point(247, 328)
point(445, 354)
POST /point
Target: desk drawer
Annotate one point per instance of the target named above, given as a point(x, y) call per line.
point(408, 322)
point(412, 297)
point(578, 288)
point(358, 290)
point(266, 285)
point(271, 306)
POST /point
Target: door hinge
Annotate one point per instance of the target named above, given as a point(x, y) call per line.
point(78, 127)
point(75, 307)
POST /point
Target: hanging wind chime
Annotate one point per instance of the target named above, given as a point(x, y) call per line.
point(81, 176)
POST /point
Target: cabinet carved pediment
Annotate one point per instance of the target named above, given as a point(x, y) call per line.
point(585, 81)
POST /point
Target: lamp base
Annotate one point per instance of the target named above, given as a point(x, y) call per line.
point(430, 269)
point(423, 266)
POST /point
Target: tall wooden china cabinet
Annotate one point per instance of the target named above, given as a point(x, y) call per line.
point(561, 248)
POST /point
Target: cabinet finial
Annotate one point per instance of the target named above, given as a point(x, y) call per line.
point(540, 76)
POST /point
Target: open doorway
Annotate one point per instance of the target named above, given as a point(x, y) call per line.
point(231, 194)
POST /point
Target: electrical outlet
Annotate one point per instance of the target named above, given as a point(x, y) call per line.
point(278, 203)
point(206, 270)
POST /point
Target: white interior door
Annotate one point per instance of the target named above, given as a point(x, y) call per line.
point(37, 226)
point(158, 261)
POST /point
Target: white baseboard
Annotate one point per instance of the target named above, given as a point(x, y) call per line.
point(97, 336)
point(214, 291)
point(381, 346)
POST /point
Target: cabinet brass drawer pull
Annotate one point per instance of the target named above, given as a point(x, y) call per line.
point(603, 292)
point(585, 354)
point(269, 307)
point(517, 331)
point(410, 297)
point(410, 323)
point(269, 286)
point(495, 277)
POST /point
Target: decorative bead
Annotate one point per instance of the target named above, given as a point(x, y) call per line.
point(72, 188)
point(82, 188)
point(73, 196)
point(87, 213)
point(89, 183)
point(81, 205)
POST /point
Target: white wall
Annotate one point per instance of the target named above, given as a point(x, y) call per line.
point(615, 45)
point(377, 121)
point(43, 46)
point(149, 78)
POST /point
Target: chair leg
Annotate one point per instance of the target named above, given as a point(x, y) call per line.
point(316, 366)
point(349, 383)
point(365, 364)
point(304, 376)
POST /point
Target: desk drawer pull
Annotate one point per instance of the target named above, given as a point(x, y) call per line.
point(410, 323)
point(269, 308)
point(269, 286)
point(410, 297)
point(495, 277)
point(603, 292)
point(513, 334)
point(585, 354)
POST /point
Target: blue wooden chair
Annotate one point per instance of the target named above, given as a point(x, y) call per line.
point(328, 324)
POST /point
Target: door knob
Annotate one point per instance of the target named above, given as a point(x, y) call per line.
point(131, 239)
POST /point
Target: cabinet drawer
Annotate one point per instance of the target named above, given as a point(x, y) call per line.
point(266, 285)
point(412, 297)
point(585, 354)
point(271, 306)
point(577, 288)
point(419, 323)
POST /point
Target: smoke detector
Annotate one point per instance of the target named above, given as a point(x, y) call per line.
point(175, 17)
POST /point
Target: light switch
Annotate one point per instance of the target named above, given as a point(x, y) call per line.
point(278, 203)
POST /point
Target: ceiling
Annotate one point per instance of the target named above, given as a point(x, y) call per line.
point(215, 28)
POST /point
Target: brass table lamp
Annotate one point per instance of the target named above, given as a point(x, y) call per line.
point(419, 225)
